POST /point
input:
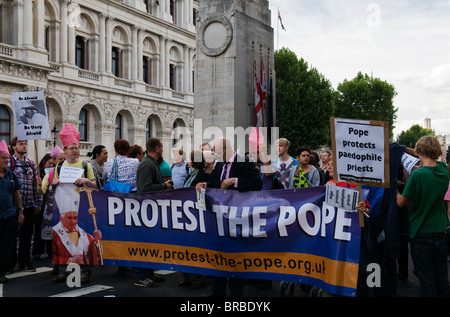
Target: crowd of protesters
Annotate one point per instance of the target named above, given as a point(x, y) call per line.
point(418, 202)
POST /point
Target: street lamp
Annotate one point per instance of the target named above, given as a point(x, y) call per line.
point(54, 131)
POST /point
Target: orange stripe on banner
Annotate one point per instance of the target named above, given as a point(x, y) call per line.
point(333, 272)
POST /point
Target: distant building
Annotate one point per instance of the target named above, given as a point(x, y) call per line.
point(113, 68)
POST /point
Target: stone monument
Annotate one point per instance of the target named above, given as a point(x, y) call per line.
point(231, 35)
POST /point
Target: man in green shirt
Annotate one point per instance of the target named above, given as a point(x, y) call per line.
point(426, 188)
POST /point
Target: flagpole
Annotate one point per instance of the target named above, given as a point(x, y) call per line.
point(253, 79)
point(278, 27)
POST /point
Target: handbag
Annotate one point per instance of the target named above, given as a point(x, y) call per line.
point(114, 185)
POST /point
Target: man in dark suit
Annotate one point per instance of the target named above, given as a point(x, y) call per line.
point(231, 172)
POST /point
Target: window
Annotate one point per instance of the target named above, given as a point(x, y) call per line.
point(172, 76)
point(115, 62)
point(80, 52)
point(118, 127)
point(194, 17)
point(148, 132)
point(5, 124)
point(148, 6)
point(83, 124)
point(173, 11)
point(145, 69)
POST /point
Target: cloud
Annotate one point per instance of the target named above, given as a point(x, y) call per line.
point(438, 78)
point(404, 42)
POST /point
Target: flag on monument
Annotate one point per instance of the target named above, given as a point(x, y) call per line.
point(281, 21)
point(263, 90)
point(257, 97)
point(270, 106)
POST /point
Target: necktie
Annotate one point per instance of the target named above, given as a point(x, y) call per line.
point(225, 171)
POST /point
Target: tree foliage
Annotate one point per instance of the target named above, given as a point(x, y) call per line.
point(366, 98)
point(305, 102)
point(410, 137)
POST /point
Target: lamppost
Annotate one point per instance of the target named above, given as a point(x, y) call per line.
point(54, 131)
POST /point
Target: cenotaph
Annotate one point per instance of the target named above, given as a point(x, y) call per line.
point(231, 35)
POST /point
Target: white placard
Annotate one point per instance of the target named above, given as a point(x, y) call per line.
point(361, 152)
point(70, 174)
point(342, 197)
point(31, 115)
point(408, 162)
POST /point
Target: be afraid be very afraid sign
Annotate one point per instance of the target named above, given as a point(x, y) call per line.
point(361, 151)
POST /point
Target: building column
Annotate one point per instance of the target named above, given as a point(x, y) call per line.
point(27, 23)
point(134, 52)
point(40, 24)
point(101, 54)
point(139, 53)
point(186, 69)
point(71, 44)
point(63, 32)
point(108, 44)
point(162, 61)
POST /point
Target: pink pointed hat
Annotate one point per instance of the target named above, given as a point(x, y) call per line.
point(69, 135)
point(3, 147)
point(56, 151)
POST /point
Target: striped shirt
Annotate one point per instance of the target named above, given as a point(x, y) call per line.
point(27, 174)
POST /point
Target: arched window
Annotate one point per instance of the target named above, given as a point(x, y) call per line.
point(118, 126)
point(83, 126)
point(5, 124)
point(148, 132)
point(115, 62)
point(81, 52)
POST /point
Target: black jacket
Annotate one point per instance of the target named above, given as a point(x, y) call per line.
point(248, 175)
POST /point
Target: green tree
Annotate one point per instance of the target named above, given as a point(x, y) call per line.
point(366, 98)
point(410, 137)
point(305, 102)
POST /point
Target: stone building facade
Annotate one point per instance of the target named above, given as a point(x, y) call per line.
point(112, 68)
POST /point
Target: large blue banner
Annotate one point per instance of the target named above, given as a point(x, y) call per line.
point(288, 235)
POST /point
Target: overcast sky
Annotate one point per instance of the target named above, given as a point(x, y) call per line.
point(403, 42)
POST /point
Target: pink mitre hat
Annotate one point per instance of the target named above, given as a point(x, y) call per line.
point(56, 151)
point(3, 147)
point(69, 135)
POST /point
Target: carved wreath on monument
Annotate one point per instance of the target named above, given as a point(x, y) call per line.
point(215, 35)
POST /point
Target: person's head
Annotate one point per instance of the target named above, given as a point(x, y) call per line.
point(121, 146)
point(314, 158)
point(196, 160)
point(20, 147)
point(330, 166)
point(46, 162)
point(59, 158)
point(428, 147)
point(282, 146)
point(70, 139)
point(154, 148)
point(4, 155)
point(30, 110)
point(223, 149)
point(99, 153)
point(69, 220)
point(302, 155)
point(324, 158)
point(136, 151)
point(178, 155)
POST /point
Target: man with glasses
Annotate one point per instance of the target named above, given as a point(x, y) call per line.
point(70, 139)
point(27, 174)
point(232, 172)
